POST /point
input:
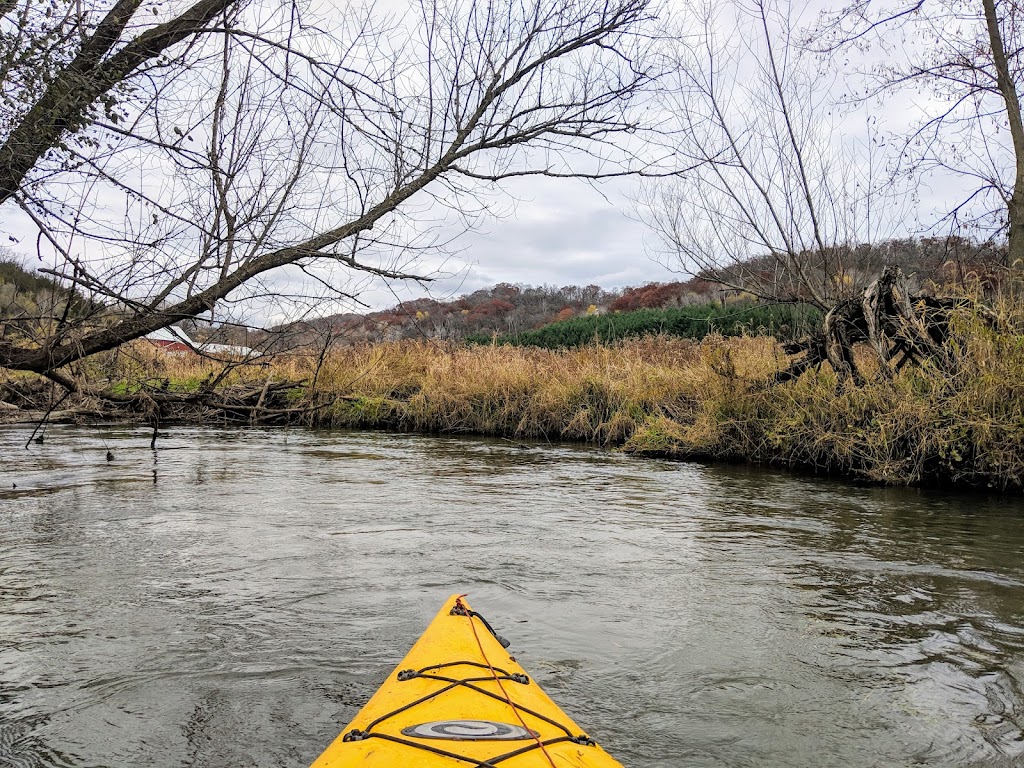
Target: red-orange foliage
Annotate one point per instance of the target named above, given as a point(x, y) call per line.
point(492, 307)
point(650, 296)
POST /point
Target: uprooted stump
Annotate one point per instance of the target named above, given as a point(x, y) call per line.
point(900, 328)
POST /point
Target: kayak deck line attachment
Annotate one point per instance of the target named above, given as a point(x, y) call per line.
point(459, 609)
point(406, 675)
point(490, 762)
point(516, 677)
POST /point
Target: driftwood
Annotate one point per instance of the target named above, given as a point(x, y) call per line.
point(899, 328)
point(268, 403)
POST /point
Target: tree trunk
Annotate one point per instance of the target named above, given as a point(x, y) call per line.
point(1015, 121)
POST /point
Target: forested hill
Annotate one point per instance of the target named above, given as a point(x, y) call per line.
point(27, 294)
point(508, 310)
point(503, 309)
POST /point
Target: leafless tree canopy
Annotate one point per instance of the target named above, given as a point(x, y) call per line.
point(966, 58)
point(171, 157)
point(774, 200)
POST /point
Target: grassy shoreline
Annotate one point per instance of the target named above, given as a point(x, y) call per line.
point(653, 396)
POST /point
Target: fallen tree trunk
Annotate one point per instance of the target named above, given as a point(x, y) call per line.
point(39, 400)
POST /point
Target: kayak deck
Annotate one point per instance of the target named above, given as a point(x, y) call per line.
point(458, 697)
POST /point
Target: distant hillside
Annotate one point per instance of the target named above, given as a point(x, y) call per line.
point(517, 310)
point(504, 309)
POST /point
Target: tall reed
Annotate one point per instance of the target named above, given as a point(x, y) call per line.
point(661, 396)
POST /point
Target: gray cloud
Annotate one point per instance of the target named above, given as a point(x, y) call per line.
point(560, 232)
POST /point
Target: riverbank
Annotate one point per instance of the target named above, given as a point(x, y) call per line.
point(655, 396)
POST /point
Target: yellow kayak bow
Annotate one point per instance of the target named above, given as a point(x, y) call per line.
point(459, 698)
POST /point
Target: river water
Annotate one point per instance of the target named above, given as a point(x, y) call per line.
point(232, 599)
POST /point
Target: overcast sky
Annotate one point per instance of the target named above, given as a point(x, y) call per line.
point(557, 232)
point(560, 232)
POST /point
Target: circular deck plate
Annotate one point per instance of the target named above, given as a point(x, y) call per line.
point(469, 730)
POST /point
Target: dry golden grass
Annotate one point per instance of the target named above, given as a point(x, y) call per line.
point(660, 396)
point(594, 394)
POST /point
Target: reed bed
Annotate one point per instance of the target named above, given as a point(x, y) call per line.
point(658, 396)
point(595, 394)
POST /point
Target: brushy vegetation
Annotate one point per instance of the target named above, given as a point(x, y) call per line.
point(784, 321)
point(660, 396)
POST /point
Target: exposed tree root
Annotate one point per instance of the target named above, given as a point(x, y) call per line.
point(900, 328)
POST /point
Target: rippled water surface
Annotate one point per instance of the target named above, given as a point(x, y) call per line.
point(232, 599)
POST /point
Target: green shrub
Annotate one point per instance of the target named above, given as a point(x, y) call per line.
point(783, 321)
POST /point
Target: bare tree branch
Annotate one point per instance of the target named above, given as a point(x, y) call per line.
point(169, 185)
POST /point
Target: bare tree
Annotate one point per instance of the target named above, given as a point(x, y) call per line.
point(774, 200)
point(169, 166)
point(777, 202)
point(968, 57)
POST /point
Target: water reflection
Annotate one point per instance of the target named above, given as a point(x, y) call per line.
point(240, 610)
